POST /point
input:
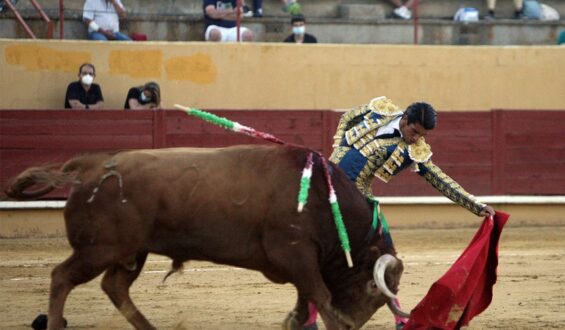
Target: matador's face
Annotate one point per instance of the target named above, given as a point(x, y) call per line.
point(411, 132)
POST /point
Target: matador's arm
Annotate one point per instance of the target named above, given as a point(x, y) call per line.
point(448, 187)
point(346, 122)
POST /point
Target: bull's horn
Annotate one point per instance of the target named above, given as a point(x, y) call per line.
point(384, 261)
point(395, 309)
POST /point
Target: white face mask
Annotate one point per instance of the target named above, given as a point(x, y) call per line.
point(144, 97)
point(298, 29)
point(87, 79)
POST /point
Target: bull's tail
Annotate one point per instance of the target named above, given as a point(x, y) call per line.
point(45, 179)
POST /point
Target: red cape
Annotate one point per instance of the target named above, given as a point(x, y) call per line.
point(466, 289)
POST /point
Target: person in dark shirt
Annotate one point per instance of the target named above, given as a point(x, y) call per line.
point(299, 35)
point(220, 17)
point(84, 94)
point(143, 97)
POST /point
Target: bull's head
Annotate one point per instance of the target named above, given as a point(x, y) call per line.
point(372, 285)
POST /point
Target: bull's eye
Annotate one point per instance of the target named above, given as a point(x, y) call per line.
point(372, 288)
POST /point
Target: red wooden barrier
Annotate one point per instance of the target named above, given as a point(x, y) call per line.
point(497, 152)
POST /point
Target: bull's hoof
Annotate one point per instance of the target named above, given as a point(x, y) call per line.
point(290, 323)
point(40, 322)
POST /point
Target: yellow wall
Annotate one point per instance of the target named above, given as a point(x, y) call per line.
point(35, 74)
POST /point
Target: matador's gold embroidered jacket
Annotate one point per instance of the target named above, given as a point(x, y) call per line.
point(362, 155)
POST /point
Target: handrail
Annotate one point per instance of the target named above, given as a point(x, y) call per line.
point(24, 24)
point(61, 19)
point(20, 19)
point(45, 18)
point(416, 4)
point(238, 11)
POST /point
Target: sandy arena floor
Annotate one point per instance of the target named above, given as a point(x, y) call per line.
point(530, 293)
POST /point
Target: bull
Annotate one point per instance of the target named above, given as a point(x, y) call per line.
point(234, 206)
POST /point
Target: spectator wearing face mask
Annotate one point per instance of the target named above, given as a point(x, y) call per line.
point(299, 35)
point(143, 97)
point(84, 94)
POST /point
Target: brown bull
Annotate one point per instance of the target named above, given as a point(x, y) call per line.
point(234, 206)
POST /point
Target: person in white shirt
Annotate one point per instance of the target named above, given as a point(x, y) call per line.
point(103, 19)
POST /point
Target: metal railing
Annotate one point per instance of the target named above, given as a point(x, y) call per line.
point(416, 16)
point(20, 19)
point(61, 19)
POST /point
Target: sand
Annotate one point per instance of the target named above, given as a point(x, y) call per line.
point(529, 294)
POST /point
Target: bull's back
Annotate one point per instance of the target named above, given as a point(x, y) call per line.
point(193, 203)
point(196, 175)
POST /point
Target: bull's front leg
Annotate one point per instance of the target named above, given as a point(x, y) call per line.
point(320, 296)
point(333, 319)
point(298, 316)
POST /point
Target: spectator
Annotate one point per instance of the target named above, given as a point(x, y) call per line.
point(299, 35)
point(147, 96)
point(103, 19)
point(220, 16)
point(518, 13)
point(257, 9)
point(561, 38)
point(403, 8)
point(84, 94)
point(288, 6)
point(3, 5)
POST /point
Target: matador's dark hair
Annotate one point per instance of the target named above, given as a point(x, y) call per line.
point(422, 113)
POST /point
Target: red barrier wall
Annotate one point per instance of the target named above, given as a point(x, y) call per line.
point(488, 153)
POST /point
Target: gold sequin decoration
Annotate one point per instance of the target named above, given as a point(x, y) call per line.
point(451, 189)
point(420, 151)
point(384, 106)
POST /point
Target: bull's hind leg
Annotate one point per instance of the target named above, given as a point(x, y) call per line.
point(81, 267)
point(116, 283)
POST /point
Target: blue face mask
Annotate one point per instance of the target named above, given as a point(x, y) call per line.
point(298, 29)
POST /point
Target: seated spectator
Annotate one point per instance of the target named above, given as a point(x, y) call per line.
point(299, 35)
point(288, 6)
point(103, 19)
point(518, 7)
point(403, 8)
point(144, 97)
point(3, 5)
point(257, 9)
point(219, 17)
point(561, 38)
point(84, 94)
